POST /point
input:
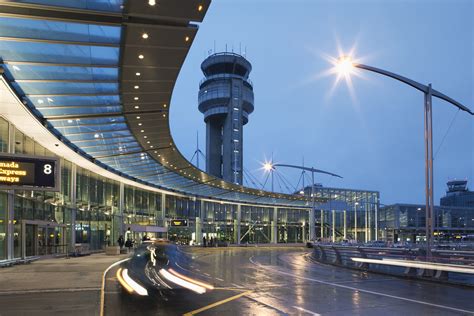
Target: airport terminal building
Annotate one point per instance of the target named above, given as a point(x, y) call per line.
point(86, 153)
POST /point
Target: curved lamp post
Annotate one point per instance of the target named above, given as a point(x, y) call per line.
point(269, 166)
point(345, 64)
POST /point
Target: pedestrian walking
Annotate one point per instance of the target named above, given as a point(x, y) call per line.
point(129, 244)
point(120, 241)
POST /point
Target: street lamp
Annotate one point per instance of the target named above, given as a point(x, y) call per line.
point(271, 167)
point(345, 66)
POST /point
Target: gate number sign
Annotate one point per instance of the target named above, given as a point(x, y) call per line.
point(29, 172)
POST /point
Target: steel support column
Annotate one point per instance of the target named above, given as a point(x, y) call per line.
point(333, 225)
point(322, 224)
point(239, 220)
point(10, 199)
point(376, 219)
point(312, 225)
point(73, 194)
point(355, 223)
point(429, 171)
point(366, 219)
point(345, 224)
point(121, 207)
point(275, 226)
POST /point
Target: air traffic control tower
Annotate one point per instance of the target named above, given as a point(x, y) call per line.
point(226, 100)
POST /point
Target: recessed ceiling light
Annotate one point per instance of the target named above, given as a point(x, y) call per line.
point(200, 8)
point(140, 124)
point(136, 107)
point(136, 98)
point(164, 115)
point(142, 131)
point(69, 121)
point(145, 35)
point(136, 87)
point(152, 2)
point(152, 147)
point(138, 117)
point(148, 142)
point(145, 136)
point(164, 105)
point(96, 135)
point(138, 74)
point(141, 56)
point(186, 38)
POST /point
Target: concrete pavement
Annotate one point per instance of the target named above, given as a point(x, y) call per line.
point(54, 286)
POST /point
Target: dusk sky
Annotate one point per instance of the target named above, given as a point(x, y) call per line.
point(374, 138)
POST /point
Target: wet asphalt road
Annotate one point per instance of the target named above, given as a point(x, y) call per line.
point(284, 281)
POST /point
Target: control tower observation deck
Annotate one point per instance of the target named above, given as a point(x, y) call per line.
point(226, 100)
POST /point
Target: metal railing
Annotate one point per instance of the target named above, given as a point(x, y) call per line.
point(454, 266)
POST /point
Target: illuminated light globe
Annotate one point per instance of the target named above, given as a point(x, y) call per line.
point(267, 166)
point(344, 65)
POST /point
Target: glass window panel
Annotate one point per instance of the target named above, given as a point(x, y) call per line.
point(79, 111)
point(101, 142)
point(112, 150)
point(56, 30)
point(32, 72)
point(97, 5)
point(3, 137)
point(59, 53)
point(87, 121)
point(75, 100)
point(72, 130)
point(105, 135)
point(66, 87)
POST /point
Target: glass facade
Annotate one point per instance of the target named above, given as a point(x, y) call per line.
point(91, 211)
point(406, 223)
point(348, 215)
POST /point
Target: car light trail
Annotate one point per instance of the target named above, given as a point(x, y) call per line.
point(122, 281)
point(190, 286)
point(419, 265)
point(179, 275)
point(129, 284)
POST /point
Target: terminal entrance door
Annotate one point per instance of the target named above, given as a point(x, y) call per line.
point(42, 238)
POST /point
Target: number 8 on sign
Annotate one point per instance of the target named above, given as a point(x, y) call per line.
point(47, 169)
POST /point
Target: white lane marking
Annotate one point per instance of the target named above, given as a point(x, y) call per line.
point(194, 272)
point(219, 279)
point(102, 289)
point(306, 311)
point(361, 290)
point(207, 274)
point(50, 291)
point(238, 286)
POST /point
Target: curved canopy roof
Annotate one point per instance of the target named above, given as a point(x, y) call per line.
point(100, 73)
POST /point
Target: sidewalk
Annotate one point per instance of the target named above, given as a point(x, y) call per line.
point(58, 273)
point(56, 286)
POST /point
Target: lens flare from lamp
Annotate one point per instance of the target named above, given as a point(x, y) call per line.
point(345, 65)
point(267, 166)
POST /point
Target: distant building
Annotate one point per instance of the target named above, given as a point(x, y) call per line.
point(349, 214)
point(226, 100)
point(458, 194)
point(406, 223)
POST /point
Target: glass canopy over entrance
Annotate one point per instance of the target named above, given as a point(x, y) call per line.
point(99, 75)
